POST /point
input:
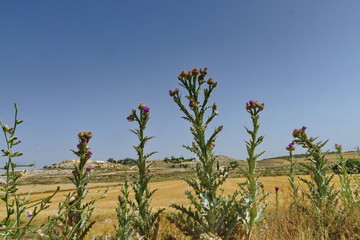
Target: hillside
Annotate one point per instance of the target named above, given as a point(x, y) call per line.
point(160, 170)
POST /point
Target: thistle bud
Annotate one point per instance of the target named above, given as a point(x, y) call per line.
point(88, 135)
point(220, 128)
point(277, 189)
point(205, 71)
point(210, 81)
point(261, 107)
point(194, 72)
point(295, 133)
point(131, 117)
point(338, 147)
point(6, 128)
point(193, 103)
point(183, 74)
point(141, 106)
point(171, 93)
point(214, 106)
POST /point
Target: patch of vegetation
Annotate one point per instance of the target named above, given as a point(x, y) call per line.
point(125, 161)
point(352, 166)
point(173, 159)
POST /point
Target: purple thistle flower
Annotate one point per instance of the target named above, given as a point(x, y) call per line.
point(304, 128)
point(326, 160)
point(277, 189)
point(311, 174)
point(88, 169)
point(261, 185)
point(73, 172)
point(78, 146)
point(146, 109)
point(85, 140)
point(29, 214)
point(89, 153)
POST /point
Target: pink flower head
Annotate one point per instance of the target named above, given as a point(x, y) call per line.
point(311, 174)
point(261, 184)
point(85, 140)
point(88, 169)
point(73, 172)
point(78, 146)
point(146, 109)
point(171, 93)
point(326, 159)
point(89, 153)
point(304, 128)
point(277, 189)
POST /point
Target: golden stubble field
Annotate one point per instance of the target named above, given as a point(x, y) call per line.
point(168, 192)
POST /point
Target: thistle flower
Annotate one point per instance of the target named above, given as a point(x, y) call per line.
point(84, 140)
point(277, 189)
point(29, 214)
point(290, 147)
point(261, 185)
point(146, 109)
point(73, 172)
point(311, 174)
point(88, 169)
point(326, 159)
point(88, 153)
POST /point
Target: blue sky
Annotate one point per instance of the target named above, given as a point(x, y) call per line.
point(82, 65)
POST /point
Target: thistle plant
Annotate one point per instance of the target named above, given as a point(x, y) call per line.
point(344, 179)
point(294, 189)
point(322, 195)
point(125, 214)
point(19, 211)
point(210, 212)
point(252, 204)
point(72, 218)
point(144, 221)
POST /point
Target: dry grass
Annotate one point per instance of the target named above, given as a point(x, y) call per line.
point(173, 192)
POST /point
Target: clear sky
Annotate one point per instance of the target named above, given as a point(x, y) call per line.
point(82, 65)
